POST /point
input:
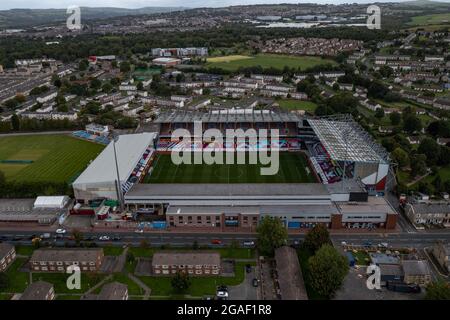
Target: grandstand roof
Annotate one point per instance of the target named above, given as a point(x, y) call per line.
point(230, 189)
point(345, 140)
point(228, 115)
point(129, 149)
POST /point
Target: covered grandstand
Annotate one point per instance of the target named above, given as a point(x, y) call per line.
point(244, 119)
point(344, 150)
point(134, 153)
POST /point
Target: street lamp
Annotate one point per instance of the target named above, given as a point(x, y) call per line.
point(118, 183)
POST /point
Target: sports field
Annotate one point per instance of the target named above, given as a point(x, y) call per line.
point(290, 104)
point(56, 158)
point(293, 169)
point(233, 63)
point(432, 19)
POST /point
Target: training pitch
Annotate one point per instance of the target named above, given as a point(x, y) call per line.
point(56, 158)
point(232, 63)
point(293, 169)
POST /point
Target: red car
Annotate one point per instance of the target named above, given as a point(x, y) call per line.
point(216, 241)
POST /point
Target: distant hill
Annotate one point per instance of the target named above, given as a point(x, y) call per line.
point(426, 3)
point(22, 18)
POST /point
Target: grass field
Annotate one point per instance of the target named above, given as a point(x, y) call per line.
point(228, 58)
point(292, 169)
point(432, 19)
point(200, 286)
point(290, 104)
point(233, 63)
point(56, 158)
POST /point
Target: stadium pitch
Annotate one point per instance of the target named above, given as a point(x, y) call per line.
point(293, 169)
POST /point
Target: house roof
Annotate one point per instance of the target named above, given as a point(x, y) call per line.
point(415, 267)
point(289, 274)
point(5, 248)
point(37, 291)
point(113, 291)
point(66, 254)
point(186, 258)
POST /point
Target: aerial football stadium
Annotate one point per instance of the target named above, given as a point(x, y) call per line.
point(330, 172)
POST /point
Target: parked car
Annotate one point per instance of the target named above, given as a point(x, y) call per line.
point(60, 231)
point(383, 245)
point(117, 238)
point(248, 268)
point(104, 238)
point(367, 244)
point(216, 241)
point(222, 293)
point(248, 243)
point(255, 282)
point(45, 235)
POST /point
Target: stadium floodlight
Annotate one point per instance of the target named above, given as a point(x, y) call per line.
point(118, 183)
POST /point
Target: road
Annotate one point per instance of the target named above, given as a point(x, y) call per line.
point(418, 239)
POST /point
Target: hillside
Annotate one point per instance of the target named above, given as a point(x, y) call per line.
point(22, 18)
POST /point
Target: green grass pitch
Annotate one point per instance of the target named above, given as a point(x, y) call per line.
point(269, 61)
point(293, 169)
point(56, 158)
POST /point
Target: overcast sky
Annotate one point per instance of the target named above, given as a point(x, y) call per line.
point(43, 4)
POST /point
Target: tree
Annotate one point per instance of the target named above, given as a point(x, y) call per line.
point(180, 282)
point(328, 269)
point(2, 179)
point(430, 149)
point(4, 281)
point(96, 84)
point(77, 235)
point(20, 98)
point(15, 122)
point(411, 123)
point(395, 118)
point(316, 238)
point(144, 244)
point(125, 66)
point(418, 165)
point(439, 290)
point(130, 257)
point(83, 65)
point(379, 113)
point(271, 235)
point(401, 157)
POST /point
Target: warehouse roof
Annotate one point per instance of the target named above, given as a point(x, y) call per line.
point(129, 149)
